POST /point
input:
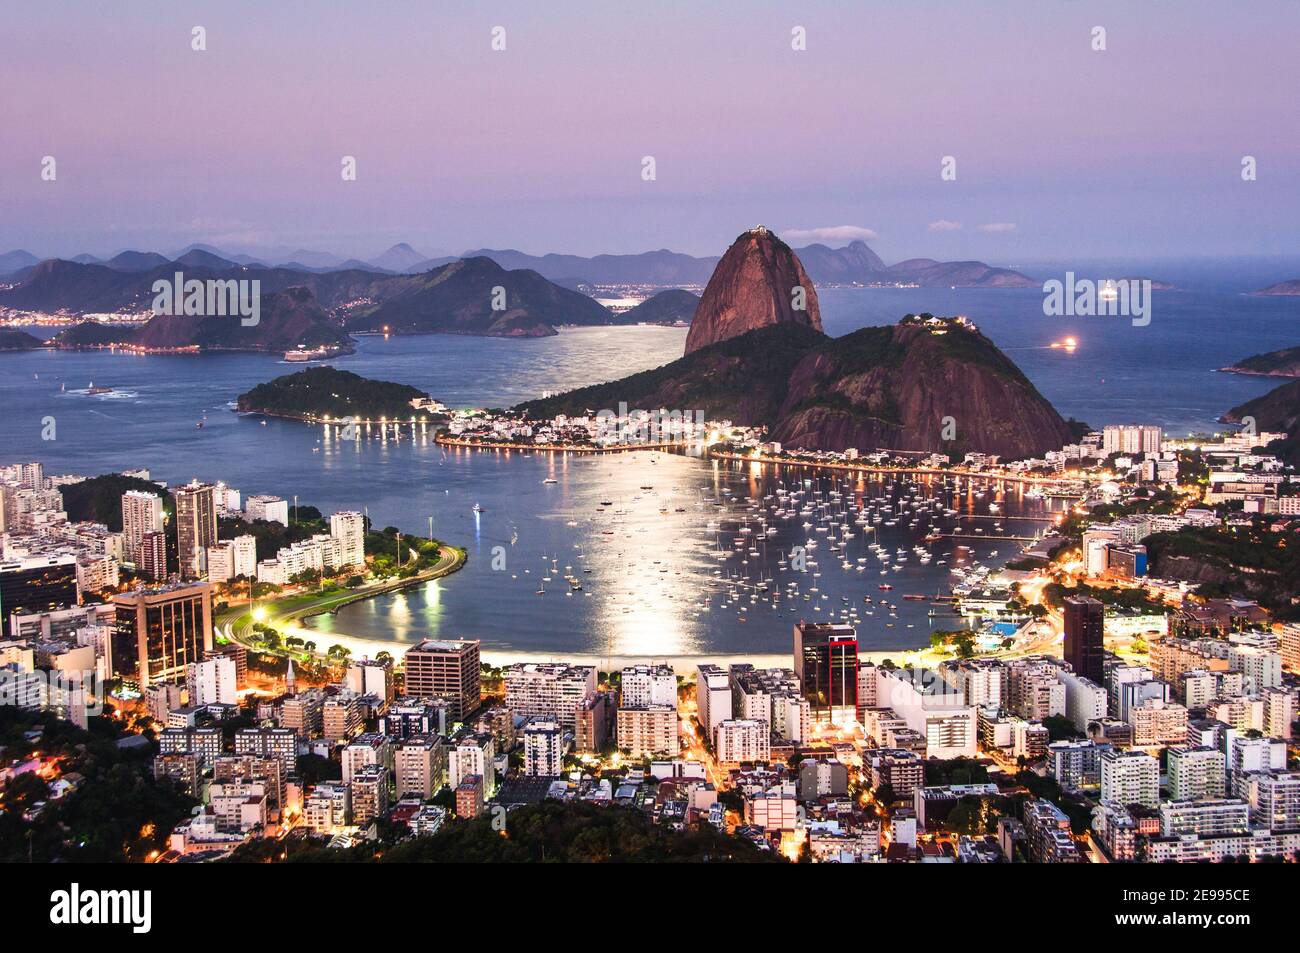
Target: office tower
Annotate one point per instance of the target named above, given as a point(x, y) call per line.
point(349, 528)
point(1084, 637)
point(196, 528)
point(826, 664)
point(159, 631)
point(142, 513)
point(445, 668)
point(37, 584)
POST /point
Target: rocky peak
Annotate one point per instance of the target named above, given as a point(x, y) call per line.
point(758, 282)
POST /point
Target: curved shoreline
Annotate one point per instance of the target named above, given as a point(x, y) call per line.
point(866, 468)
point(554, 447)
point(237, 623)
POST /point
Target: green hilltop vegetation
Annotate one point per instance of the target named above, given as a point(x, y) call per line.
point(99, 499)
point(326, 391)
point(549, 832)
point(117, 811)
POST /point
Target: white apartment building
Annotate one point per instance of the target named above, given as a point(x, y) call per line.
point(470, 756)
point(548, 689)
point(743, 740)
point(1130, 438)
point(1130, 777)
point(543, 748)
point(349, 528)
point(1085, 700)
point(712, 697)
point(1279, 712)
point(233, 557)
point(419, 767)
point(365, 750)
point(1158, 722)
point(919, 698)
point(1260, 668)
point(141, 513)
point(273, 509)
point(1274, 798)
point(212, 682)
point(648, 732)
point(1197, 773)
point(1217, 817)
point(642, 685)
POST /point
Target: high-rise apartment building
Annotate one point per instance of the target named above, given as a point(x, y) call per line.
point(142, 513)
point(196, 527)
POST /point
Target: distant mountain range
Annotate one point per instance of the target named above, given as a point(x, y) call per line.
point(854, 264)
point(468, 296)
point(289, 319)
point(486, 292)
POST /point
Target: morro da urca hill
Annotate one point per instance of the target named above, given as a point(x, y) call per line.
point(884, 388)
point(759, 282)
point(892, 388)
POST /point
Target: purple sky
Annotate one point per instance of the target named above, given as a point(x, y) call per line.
point(1133, 151)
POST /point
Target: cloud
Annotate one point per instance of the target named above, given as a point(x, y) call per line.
point(996, 227)
point(830, 233)
point(944, 225)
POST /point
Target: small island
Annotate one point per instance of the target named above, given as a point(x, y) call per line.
point(1283, 288)
point(1283, 363)
point(327, 393)
point(19, 341)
